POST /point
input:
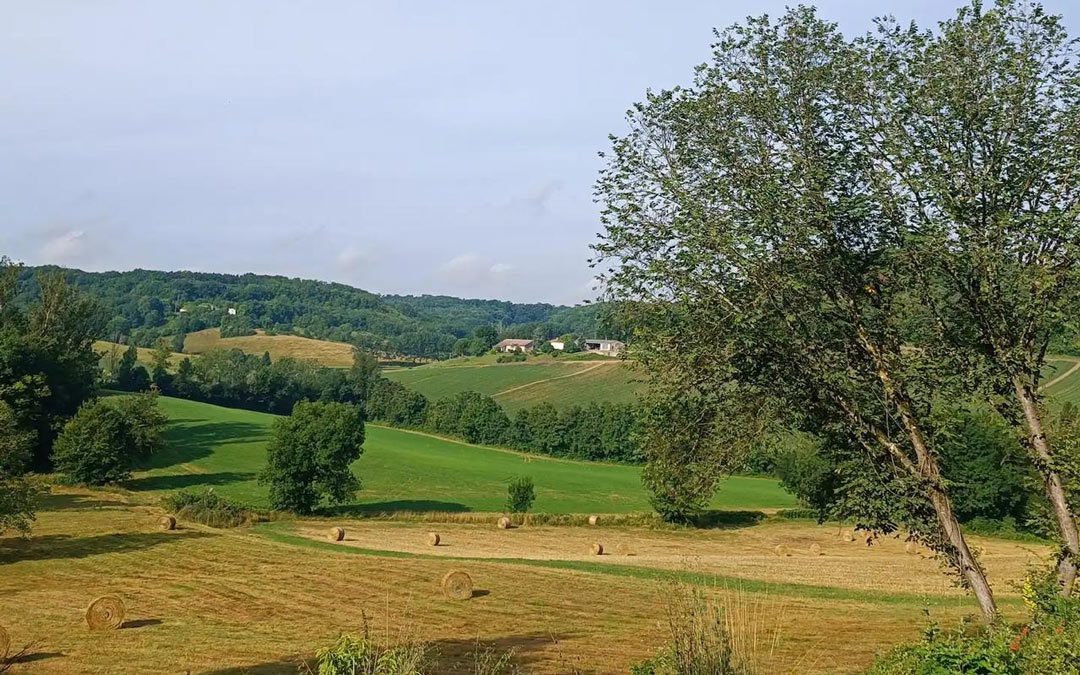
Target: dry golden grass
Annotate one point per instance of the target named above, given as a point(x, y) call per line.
point(323, 352)
point(106, 350)
point(234, 601)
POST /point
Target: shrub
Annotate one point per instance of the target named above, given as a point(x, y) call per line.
point(701, 640)
point(520, 495)
point(309, 457)
point(361, 656)
point(1048, 643)
point(208, 508)
point(109, 437)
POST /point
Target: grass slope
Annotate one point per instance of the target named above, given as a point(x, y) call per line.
point(106, 349)
point(519, 385)
point(333, 354)
point(224, 448)
point(1061, 383)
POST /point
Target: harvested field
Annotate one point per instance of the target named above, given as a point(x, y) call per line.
point(239, 601)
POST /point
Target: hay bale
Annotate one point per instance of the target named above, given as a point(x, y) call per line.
point(167, 523)
point(780, 550)
point(597, 549)
point(911, 548)
point(594, 520)
point(457, 585)
point(5, 644)
point(504, 523)
point(847, 536)
point(433, 538)
point(105, 613)
point(623, 549)
point(336, 534)
point(815, 549)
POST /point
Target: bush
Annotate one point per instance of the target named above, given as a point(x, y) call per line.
point(107, 438)
point(309, 456)
point(520, 495)
point(208, 508)
point(1048, 643)
point(701, 640)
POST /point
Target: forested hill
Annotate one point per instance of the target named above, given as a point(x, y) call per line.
point(145, 305)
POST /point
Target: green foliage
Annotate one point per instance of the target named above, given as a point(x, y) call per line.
point(145, 305)
point(700, 640)
point(1049, 642)
point(520, 494)
point(207, 507)
point(393, 403)
point(361, 656)
point(308, 459)
point(107, 438)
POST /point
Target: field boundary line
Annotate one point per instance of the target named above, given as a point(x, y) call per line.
point(557, 377)
point(1059, 378)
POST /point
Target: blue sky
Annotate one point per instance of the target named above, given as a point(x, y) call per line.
point(423, 147)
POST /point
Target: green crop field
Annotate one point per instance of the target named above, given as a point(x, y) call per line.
point(1061, 379)
point(223, 448)
point(518, 385)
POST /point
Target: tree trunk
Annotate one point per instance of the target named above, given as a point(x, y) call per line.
point(969, 567)
point(1055, 492)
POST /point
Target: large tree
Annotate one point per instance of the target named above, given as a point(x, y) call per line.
point(741, 227)
point(974, 131)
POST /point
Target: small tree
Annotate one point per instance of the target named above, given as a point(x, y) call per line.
point(18, 497)
point(309, 456)
point(520, 494)
point(109, 437)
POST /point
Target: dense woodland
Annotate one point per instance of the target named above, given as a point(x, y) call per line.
point(143, 306)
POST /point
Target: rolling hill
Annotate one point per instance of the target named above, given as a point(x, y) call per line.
point(562, 382)
point(323, 352)
point(224, 448)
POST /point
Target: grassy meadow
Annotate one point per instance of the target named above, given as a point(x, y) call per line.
point(561, 381)
point(224, 448)
point(323, 352)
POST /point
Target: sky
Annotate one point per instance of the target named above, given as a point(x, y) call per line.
point(400, 147)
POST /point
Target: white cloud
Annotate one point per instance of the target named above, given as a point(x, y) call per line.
point(64, 247)
point(472, 272)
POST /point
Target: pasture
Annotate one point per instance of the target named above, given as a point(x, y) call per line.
point(224, 448)
point(560, 381)
point(323, 352)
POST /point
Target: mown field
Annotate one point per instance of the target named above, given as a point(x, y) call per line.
point(224, 448)
point(1061, 380)
point(323, 352)
point(562, 382)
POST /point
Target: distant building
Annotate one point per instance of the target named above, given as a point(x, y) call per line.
point(232, 311)
point(557, 345)
point(183, 310)
point(605, 347)
point(513, 345)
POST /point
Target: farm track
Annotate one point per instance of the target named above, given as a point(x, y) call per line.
point(551, 379)
point(1062, 377)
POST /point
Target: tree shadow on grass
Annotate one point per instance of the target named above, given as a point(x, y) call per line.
point(375, 508)
point(78, 502)
point(66, 547)
point(727, 520)
point(186, 442)
point(284, 667)
point(185, 480)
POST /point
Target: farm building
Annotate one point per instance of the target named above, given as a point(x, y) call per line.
point(557, 345)
point(606, 347)
point(514, 345)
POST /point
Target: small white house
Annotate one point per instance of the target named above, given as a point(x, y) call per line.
point(557, 344)
point(232, 311)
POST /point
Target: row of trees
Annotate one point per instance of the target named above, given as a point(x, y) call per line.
point(857, 239)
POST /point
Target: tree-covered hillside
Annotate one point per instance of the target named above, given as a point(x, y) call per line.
point(145, 305)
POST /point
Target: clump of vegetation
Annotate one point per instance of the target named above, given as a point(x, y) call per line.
point(107, 438)
point(1048, 643)
point(512, 357)
point(362, 656)
point(520, 494)
point(701, 640)
point(208, 508)
point(308, 459)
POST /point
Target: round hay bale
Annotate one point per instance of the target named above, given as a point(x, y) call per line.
point(105, 613)
point(167, 523)
point(457, 585)
point(336, 534)
point(5, 644)
point(597, 549)
point(594, 520)
point(815, 549)
point(780, 550)
point(911, 548)
point(847, 536)
point(433, 538)
point(504, 523)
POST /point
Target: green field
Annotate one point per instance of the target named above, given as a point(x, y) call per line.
point(1061, 383)
point(562, 382)
point(223, 448)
